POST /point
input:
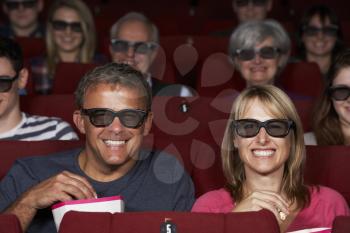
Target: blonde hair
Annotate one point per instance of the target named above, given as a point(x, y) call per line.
point(88, 46)
point(279, 104)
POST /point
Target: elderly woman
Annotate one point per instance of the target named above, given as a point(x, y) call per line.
point(259, 50)
point(332, 111)
point(319, 37)
point(263, 154)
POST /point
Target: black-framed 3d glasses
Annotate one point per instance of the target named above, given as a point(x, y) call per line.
point(242, 3)
point(103, 117)
point(60, 25)
point(139, 47)
point(16, 5)
point(264, 52)
point(6, 82)
point(331, 30)
point(248, 128)
point(339, 93)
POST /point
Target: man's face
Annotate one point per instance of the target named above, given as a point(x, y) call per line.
point(141, 54)
point(247, 10)
point(9, 98)
point(23, 14)
point(115, 145)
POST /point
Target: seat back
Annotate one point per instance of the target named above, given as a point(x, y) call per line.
point(9, 224)
point(150, 222)
point(341, 224)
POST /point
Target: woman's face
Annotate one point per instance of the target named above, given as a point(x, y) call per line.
point(262, 154)
point(342, 107)
point(67, 38)
point(319, 38)
point(259, 70)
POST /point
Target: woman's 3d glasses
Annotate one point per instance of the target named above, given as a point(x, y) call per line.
point(60, 25)
point(339, 93)
point(139, 47)
point(6, 82)
point(248, 128)
point(331, 30)
point(264, 52)
point(103, 117)
point(242, 3)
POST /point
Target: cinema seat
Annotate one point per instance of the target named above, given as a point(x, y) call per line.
point(9, 224)
point(329, 166)
point(341, 224)
point(150, 222)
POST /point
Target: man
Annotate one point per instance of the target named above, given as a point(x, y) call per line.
point(23, 18)
point(114, 113)
point(247, 10)
point(14, 124)
point(135, 41)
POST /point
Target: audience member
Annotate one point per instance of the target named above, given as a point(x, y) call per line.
point(135, 41)
point(14, 124)
point(259, 50)
point(23, 18)
point(331, 119)
point(112, 162)
point(70, 37)
point(263, 155)
point(248, 10)
point(320, 37)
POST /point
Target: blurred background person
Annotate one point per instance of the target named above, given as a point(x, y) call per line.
point(263, 156)
point(134, 40)
point(70, 37)
point(247, 10)
point(23, 18)
point(259, 51)
point(331, 118)
point(320, 37)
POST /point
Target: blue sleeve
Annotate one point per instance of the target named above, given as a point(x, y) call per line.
point(184, 196)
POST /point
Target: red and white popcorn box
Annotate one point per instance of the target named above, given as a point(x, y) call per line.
point(112, 204)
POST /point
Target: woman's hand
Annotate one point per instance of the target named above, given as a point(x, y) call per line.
point(258, 200)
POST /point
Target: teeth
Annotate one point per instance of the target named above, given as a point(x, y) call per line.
point(263, 152)
point(114, 143)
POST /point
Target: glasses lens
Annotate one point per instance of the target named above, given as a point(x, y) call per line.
point(259, 2)
point(246, 54)
point(268, 52)
point(277, 128)
point(247, 128)
point(142, 48)
point(241, 3)
point(120, 46)
point(131, 118)
point(16, 5)
point(340, 93)
point(29, 4)
point(330, 31)
point(5, 85)
point(100, 117)
point(311, 31)
point(76, 27)
point(59, 25)
point(12, 5)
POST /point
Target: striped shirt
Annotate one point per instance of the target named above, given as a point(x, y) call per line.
point(37, 128)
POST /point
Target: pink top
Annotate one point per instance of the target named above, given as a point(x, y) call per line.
point(324, 206)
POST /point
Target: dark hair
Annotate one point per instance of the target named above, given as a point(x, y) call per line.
point(11, 50)
point(324, 114)
point(324, 13)
point(114, 74)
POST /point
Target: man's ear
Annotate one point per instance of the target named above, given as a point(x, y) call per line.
point(23, 78)
point(148, 124)
point(79, 121)
point(269, 5)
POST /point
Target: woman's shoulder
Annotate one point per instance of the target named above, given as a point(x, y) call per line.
point(216, 201)
point(328, 198)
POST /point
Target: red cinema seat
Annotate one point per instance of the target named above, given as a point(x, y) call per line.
point(12, 150)
point(9, 223)
point(341, 224)
point(68, 75)
point(31, 47)
point(329, 166)
point(150, 222)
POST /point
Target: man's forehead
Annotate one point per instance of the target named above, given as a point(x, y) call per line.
point(134, 30)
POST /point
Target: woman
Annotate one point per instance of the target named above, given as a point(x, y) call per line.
point(320, 37)
point(332, 110)
point(259, 50)
point(263, 156)
point(70, 37)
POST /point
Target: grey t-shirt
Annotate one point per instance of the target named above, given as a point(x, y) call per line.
point(156, 182)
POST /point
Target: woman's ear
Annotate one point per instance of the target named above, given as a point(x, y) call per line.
point(79, 121)
point(148, 124)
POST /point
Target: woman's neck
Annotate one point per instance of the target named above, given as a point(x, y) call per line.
point(266, 183)
point(68, 56)
point(346, 132)
point(323, 62)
